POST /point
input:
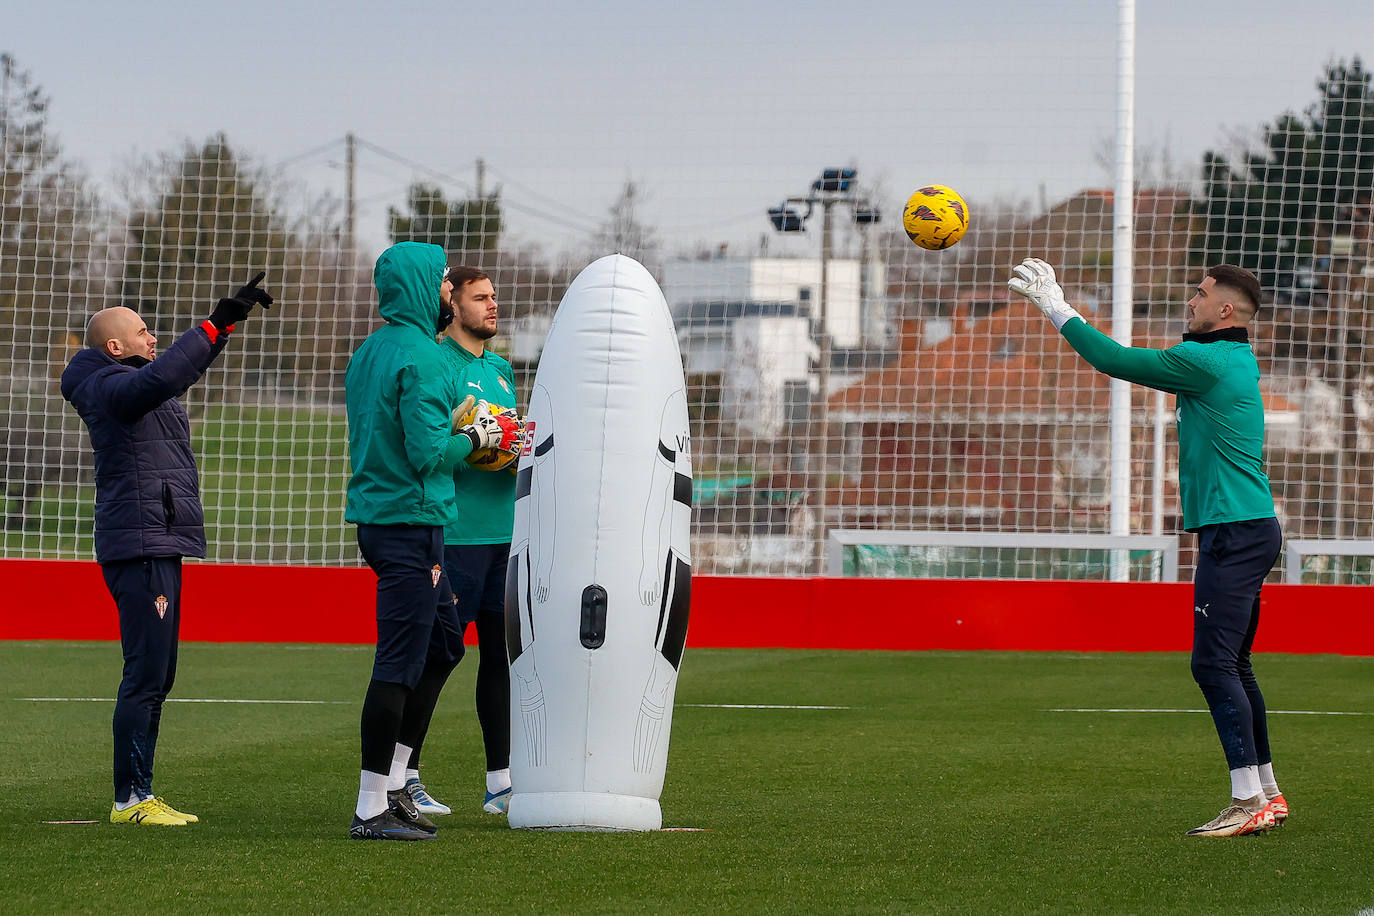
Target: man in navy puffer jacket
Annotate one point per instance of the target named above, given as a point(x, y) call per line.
point(147, 513)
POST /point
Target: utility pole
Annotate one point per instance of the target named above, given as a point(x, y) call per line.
point(836, 185)
point(350, 192)
point(481, 178)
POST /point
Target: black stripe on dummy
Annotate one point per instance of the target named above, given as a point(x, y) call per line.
point(524, 481)
point(663, 594)
point(667, 454)
point(593, 629)
point(544, 446)
point(513, 646)
point(675, 636)
point(682, 489)
point(529, 599)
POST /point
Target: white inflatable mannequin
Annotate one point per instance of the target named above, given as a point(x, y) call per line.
point(598, 589)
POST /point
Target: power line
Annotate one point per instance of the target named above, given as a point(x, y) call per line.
point(535, 211)
point(314, 151)
point(419, 166)
point(506, 202)
point(548, 201)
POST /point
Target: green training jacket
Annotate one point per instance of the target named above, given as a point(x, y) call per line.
point(485, 500)
point(1220, 417)
point(400, 397)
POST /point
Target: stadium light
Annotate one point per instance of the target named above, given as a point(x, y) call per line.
point(835, 180)
point(786, 219)
point(835, 185)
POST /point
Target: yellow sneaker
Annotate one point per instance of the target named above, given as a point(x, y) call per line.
point(146, 812)
point(188, 818)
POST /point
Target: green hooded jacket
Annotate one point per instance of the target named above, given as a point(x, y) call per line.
point(400, 395)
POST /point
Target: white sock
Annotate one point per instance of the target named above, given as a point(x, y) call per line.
point(498, 780)
point(1245, 782)
point(371, 794)
point(412, 774)
point(125, 806)
point(400, 759)
point(1266, 774)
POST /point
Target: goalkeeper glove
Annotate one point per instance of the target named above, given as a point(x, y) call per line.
point(491, 431)
point(232, 310)
point(1035, 280)
point(456, 418)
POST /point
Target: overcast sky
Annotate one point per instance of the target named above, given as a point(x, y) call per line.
point(718, 109)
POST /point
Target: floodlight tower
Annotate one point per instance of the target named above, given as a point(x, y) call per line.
point(834, 186)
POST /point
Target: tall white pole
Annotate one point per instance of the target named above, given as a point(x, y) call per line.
point(821, 436)
point(1123, 270)
point(1157, 465)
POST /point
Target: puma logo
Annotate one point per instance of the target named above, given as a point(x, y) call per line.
point(1202, 610)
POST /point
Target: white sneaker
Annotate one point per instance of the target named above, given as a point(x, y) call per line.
point(423, 800)
point(1237, 820)
point(497, 802)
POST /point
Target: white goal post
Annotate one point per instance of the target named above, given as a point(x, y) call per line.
point(1300, 551)
point(1164, 567)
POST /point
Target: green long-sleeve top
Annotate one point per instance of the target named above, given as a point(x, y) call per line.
point(1220, 416)
point(484, 501)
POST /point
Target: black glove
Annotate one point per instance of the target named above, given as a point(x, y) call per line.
point(232, 311)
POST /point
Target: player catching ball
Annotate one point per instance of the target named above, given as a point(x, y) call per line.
point(1226, 500)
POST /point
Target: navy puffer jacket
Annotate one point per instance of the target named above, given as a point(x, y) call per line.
point(147, 490)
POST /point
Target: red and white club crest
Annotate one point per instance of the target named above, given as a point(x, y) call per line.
point(528, 444)
point(434, 575)
point(160, 603)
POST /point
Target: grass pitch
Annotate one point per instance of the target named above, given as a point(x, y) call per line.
point(947, 785)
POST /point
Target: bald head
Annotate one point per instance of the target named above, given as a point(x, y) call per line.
point(119, 332)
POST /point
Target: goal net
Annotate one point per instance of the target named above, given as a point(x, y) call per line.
point(839, 377)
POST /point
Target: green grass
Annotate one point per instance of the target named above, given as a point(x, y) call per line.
point(273, 482)
point(949, 786)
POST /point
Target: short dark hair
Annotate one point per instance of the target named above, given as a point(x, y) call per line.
point(1240, 280)
point(461, 276)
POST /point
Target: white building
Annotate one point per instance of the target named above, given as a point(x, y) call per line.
point(751, 321)
point(855, 308)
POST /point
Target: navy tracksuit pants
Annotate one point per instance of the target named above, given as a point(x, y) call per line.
point(1233, 560)
point(147, 592)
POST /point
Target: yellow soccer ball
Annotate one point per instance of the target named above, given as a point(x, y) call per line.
point(489, 459)
point(935, 217)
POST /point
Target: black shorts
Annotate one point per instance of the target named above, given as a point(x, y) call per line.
point(416, 619)
point(478, 575)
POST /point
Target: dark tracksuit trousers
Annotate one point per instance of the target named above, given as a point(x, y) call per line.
point(147, 592)
point(1233, 560)
point(419, 639)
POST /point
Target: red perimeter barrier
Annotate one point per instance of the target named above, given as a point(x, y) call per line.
point(57, 599)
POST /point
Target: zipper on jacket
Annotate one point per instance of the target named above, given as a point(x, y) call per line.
point(169, 508)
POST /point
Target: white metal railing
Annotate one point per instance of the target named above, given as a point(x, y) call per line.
point(1299, 549)
point(1166, 545)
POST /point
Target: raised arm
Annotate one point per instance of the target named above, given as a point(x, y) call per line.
point(1167, 370)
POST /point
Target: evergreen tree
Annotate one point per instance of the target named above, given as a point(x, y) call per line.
point(47, 229)
point(461, 227)
point(1261, 207)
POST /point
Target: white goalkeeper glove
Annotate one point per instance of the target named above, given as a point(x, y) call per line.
point(1035, 280)
point(489, 431)
point(456, 419)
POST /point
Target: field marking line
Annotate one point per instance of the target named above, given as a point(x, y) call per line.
point(347, 702)
point(1272, 712)
point(755, 706)
point(190, 700)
